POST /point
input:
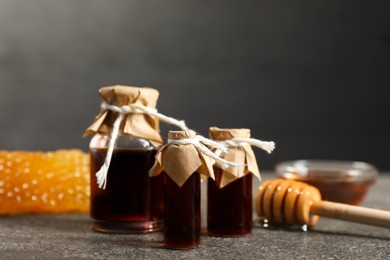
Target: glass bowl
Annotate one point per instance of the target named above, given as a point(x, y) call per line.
point(338, 181)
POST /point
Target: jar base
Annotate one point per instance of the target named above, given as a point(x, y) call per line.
point(228, 233)
point(117, 227)
point(181, 246)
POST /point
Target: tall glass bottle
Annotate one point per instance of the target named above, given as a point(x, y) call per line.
point(229, 202)
point(229, 208)
point(182, 213)
point(128, 201)
point(183, 166)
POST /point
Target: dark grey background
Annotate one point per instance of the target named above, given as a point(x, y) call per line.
point(314, 76)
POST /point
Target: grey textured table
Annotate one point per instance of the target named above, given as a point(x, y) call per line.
point(70, 236)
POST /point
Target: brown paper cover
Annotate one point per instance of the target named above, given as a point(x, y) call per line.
point(242, 154)
point(137, 124)
point(180, 161)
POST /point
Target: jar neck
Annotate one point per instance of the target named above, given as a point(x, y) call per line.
point(124, 141)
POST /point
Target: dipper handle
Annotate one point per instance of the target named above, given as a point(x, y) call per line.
point(357, 214)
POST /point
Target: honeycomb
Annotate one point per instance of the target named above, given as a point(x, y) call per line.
point(44, 182)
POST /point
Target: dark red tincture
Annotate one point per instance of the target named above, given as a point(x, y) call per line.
point(132, 202)
point(229, 209)
point(182, 213)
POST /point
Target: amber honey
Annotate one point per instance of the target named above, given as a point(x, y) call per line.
point(182, 213)
point(339, 181)
point(132, 202)
point(229, 209)
point(342, 191)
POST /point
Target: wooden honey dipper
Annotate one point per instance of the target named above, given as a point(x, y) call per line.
point(294, 202)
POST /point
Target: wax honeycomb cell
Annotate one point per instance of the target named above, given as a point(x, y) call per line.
point(44, 182)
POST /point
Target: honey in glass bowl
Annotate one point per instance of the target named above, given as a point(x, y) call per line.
point(339, 181)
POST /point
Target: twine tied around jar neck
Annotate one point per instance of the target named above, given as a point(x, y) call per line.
point(187, 152)
point(200, 142)
point(139, 108)
point(239, 142)
point(101, 175)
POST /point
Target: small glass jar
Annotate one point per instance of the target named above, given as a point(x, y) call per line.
point(229, 196)
point(132, 202)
